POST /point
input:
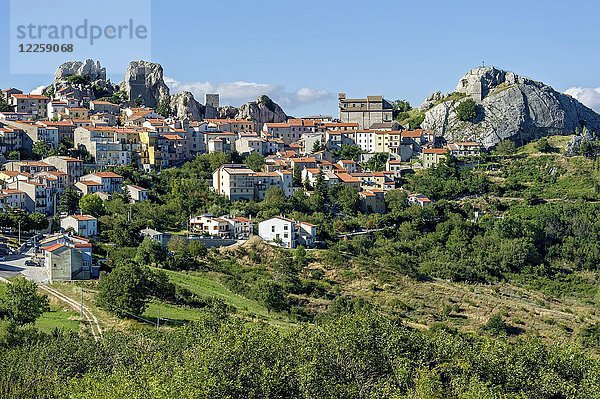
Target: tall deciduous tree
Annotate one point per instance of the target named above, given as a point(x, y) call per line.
point(21, 303)
point(126, 290)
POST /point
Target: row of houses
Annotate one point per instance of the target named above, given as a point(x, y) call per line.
point(36, 186)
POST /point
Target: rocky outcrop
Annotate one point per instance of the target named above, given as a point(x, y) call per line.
point(88, 69)
point(573, 146)
point(184, 105)
point(228, 112)
point(509, 107)
point(91, 82)
point(144, 81)
point(262, 110)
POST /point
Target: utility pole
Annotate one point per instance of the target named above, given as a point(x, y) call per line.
point(157, 321)
point(20, 221)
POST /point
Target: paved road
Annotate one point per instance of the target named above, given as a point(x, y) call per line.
point(14, 265)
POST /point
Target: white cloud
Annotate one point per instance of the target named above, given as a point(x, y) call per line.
point(38, 90)
point(237, 93)
point(589, 97)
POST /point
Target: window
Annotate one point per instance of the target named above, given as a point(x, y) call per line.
point(285, 227)
point(272, 229)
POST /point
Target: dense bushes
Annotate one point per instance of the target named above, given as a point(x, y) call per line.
point(352, 356)
point(443, 241)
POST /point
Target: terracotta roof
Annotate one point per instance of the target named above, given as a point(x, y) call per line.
point(435, 151)
point(82, 218)
point(53, 247)
point(347, 178)
point(30, 96)
point(107, 174)
point(412, 133)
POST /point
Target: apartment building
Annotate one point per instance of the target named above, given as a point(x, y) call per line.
point(433, 156)
point(73, 167)
point(238, 182)
point(110, 182)
point(223, 227)
point(82, 225)
point(38, 197)
point(10, 139)
point(32, 104)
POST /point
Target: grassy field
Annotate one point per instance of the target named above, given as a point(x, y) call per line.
point(206, 284)
point(58, 317)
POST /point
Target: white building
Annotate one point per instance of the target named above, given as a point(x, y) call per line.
point(287, 233)
point(278, 230)
point(82, 225)
point(136, 193)
point(224, 226)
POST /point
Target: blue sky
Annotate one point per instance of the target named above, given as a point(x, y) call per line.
point(303, 52)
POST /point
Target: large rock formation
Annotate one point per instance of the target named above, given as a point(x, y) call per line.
point(88, 69)
point(262, 110)
point(509, 107)
point(184, 105)
point(91, 81)
point(144, 80)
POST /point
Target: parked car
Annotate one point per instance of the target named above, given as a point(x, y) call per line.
point(30, 263)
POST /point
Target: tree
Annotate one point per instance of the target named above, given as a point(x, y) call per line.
point(401, 106)
point(255, 161)
point(91, 204)
point(150, 252)
point(496, 325)
point(272, 295)
point(197, 249)
point(138, 102)
point(505, 147)
point(38, 221)
point(164, 107)
point(21, 302)
point(41, 149)
point(377, 161)
point(297, 176)
point(396, 201)
point(321, 187)
point(77, 79)
point(4, 107)
point(350, 152)
point(316, 147)
point(543, 145)
point(124, 291)
point(346, 198)
point(466, 110)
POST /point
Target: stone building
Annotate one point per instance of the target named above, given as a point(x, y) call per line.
point(365, 111)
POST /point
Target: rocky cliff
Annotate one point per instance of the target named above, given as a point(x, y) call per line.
point(262, 110)
point(509, 106)
point(184, 105)
point(91, 81)
point(144, 80)
point(88, 69)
